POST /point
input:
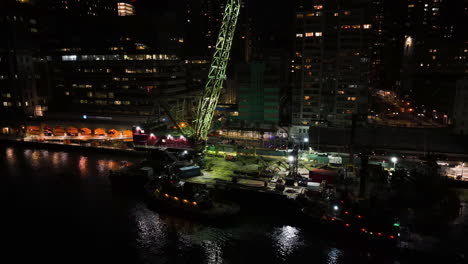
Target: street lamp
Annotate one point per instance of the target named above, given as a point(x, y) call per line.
point(291, 159)
point(394, 160)
point(306, 140)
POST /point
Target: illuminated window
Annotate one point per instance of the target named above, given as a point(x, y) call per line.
point(356, 26)
point(299, 15)
point(69, 58)
point(351, 98)
point(309, 34)
point(347, 13)
point(310, 14)
point(306, 97)
point(336, 14)
point(340, 92)
point(318, 34)
point(366, 26)
point(318, 7)
point(117, 102)
point(299, 35)
point(140, 46)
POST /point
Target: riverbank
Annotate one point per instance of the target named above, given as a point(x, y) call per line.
point(70, 147)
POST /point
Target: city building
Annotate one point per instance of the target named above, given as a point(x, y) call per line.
point(258, 92)
point(460, 109)
point(125, 9)
point(24, 83)
point(330, 67)
point(123, 79)
point(82, 7)
point(435, 52)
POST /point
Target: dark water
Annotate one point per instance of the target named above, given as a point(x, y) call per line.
point(59, 207)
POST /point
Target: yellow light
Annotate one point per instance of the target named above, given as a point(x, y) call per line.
point(185, 201)
point(183, 124)
point(176, 198)
point(167, 195)
point(194, 203)
point(409, 41)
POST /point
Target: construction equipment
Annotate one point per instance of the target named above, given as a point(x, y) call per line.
point(197, 130)
point(217, 73)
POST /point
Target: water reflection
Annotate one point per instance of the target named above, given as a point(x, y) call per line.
point(83, 166)
point(55, 160)
point(333, 256)
point(101, 165)
point(153, 236)
point(10, 155)
point(287, 240)
point(35, 159)
point(213, 252)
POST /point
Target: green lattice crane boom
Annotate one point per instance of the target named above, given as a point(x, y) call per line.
point(217, 74)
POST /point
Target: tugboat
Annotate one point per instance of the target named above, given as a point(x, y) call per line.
point(188, 199)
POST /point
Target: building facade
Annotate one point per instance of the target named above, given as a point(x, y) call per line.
point(330, 66)
point(435, 52)
point(82, 7)
point(125, 79)
point(24, 83)
point(258, 94)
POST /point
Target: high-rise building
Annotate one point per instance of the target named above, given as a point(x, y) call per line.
point(330, 66)
point(123, 79)
point(82, 7)
point(23, 73)
point(259, 91)
point(125, 9)
point(435, 52)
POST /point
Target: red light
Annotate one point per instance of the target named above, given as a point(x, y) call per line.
point(172, 182)
point(363, 230)
point(391, 237)
point(379, 234)
point(333, 219)
point(359, 216)
point(341, 201)
point(346, 212)
point(347, 225)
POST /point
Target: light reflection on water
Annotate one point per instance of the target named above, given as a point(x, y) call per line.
point(287, 240)
point(154, 236)
point(10, 155)
point(333, 256)
point(83, 166)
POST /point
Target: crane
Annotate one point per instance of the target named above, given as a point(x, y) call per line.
point(217, 73)
point(206, 105)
